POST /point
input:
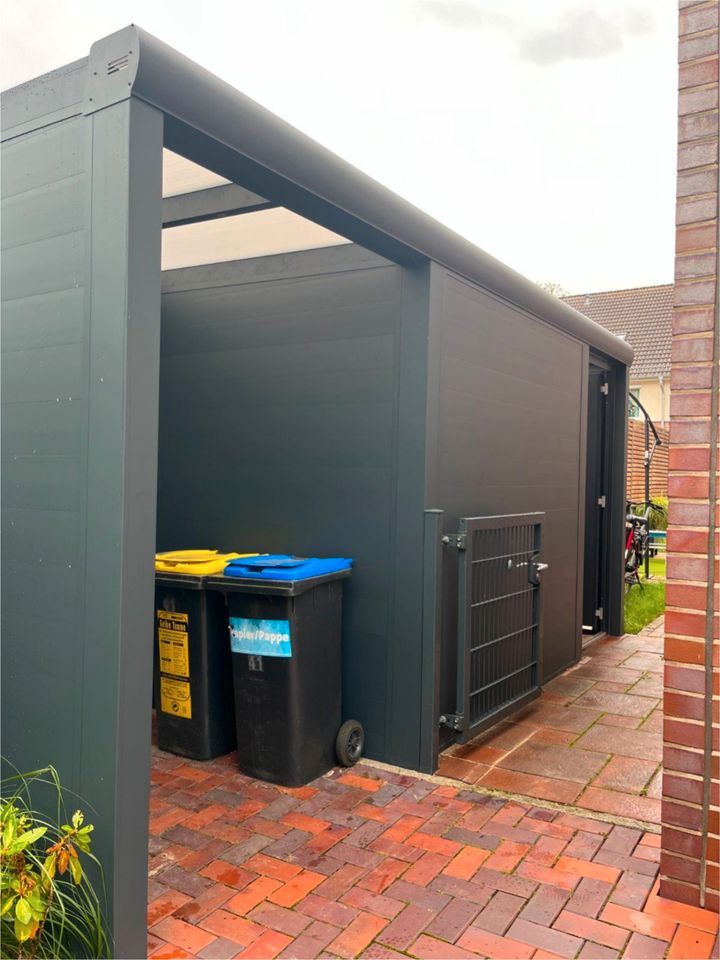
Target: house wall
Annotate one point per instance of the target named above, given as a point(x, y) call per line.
point(508, 438)
point(284, 428)
point(690, 811)
point(655, 397)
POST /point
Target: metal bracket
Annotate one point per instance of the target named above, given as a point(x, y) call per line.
point(600, 613)
point(605, 388)
point(112, 69)
point(456, 721)
point(601, 501)
point(458, 540)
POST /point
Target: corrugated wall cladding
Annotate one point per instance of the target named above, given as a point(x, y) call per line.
point(509, 441)
point(44, 419)
point(278, 418)
point(636, 462)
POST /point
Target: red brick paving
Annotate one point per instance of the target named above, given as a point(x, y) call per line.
point(382, 864)
point(592, 740)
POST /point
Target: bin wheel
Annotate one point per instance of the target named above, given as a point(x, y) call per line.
point(349, 743)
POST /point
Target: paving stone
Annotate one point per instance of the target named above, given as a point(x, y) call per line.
point(376, 903)
point(544, 905)
point(406, 926)
point(422, 896)
point(620, 804)
point(632, 890)
point(645, 948)
point(185, 881)
point(626, 774)
point(500, 912)
point(545, 938)
point(452, 920)
point(560, 763)
point(625, 743)
point(589, 897)
point(311, 941)
point(241, 852)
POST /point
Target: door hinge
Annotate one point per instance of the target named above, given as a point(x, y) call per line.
point(601, 501)
point(456, 721)
point(458, 540)
point(600, 613)
point(605, 388)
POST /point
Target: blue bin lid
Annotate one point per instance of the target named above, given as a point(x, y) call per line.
point(282, 566)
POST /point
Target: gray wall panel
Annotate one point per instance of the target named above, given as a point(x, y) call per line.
point(81, 212)
point(44, 323)
point(278, 425)
point(508, 441)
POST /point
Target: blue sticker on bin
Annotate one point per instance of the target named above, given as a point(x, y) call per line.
point(265, 638)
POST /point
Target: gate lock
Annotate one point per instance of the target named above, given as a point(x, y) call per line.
point(535, 567)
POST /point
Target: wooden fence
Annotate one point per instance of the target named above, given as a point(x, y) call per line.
point(635, 462)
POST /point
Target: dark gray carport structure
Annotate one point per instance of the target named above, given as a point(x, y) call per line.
point(485, 405)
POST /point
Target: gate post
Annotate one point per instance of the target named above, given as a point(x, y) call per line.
point(431, 632)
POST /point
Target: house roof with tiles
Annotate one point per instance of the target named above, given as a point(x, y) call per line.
point(643, 315)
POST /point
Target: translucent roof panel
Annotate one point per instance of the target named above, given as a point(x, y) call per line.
point(184, 176)
point(240, 237)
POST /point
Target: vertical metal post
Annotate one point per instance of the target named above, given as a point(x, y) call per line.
point(647, 490)
point(431, 634)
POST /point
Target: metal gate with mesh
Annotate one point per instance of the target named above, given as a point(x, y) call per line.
point(498, 618)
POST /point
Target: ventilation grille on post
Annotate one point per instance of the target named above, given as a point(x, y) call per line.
point(118, 64)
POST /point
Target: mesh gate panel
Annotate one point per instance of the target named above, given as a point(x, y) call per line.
point(499, 615)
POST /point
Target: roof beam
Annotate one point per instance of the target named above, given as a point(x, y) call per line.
point(227, 200)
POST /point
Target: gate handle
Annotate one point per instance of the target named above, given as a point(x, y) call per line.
point(535, 568)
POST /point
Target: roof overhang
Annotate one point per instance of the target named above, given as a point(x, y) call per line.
point(215, 125)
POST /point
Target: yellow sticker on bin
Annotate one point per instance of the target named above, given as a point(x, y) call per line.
point(199, 563)
point(173, 643)
point(175, 697)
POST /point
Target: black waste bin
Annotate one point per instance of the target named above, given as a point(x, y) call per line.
point(285, 638)
point(193, 676)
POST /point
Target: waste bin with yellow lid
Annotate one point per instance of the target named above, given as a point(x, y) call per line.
point(193, 691)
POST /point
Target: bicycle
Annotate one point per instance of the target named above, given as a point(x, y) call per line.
point(637, 539)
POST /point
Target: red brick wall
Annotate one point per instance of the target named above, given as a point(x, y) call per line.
point(635, 484)
point(689, 859)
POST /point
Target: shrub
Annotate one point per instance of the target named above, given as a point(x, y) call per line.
point(48, 905)
point(658, 520)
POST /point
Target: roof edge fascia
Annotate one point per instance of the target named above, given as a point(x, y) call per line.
point(132, 62)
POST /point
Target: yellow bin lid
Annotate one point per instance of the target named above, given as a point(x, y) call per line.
point(197, 562)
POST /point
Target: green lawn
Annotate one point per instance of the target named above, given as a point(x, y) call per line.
point(644, 606)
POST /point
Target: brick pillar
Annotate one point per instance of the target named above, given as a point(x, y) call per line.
point(689, 860)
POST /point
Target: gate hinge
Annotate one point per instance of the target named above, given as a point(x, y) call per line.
point(456, 721)
point(601, 501)
point(600, 613)
point(458, 540)
point(605, 388)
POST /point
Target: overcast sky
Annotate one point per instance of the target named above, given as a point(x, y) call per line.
point(542, 130)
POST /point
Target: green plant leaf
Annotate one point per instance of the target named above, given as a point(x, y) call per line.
point(76, 869)
point(25, 839)
point(8, 829)
point(24, 931)
point(50, 864)
point(23, 910)
point(7, 904)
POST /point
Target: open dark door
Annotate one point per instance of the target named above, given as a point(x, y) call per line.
point(594, 580)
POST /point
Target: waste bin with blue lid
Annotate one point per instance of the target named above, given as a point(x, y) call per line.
point(285, 626)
